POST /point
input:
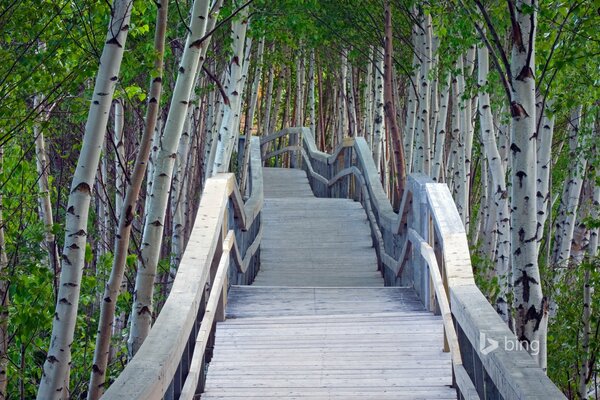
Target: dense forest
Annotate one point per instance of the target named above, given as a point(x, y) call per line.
point(112, 115)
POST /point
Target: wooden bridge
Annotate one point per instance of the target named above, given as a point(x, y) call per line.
point(313, 288)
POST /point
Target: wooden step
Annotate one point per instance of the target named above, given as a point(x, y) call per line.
point(328, 343)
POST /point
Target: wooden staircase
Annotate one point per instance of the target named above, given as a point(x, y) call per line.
point(317, 323)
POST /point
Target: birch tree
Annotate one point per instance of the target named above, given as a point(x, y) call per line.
point(234, 87)
point(379, 120)
point(531, 307)
point(141, 320)
point(390, 105)
point(55, 372)
point(499, 191)
point(46, 213)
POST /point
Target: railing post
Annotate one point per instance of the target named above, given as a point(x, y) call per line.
point(293, 141)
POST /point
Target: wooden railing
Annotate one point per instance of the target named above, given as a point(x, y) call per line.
point(222, 250)
point(425, 246)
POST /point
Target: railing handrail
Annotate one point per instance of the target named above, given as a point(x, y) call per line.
point(148, 375)
point(433, 232)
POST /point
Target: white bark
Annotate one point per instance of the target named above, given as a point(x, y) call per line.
point(103, 201)
point(460, 179)
point(544, 164)
point(570, 198)
point(343, 104)
point(531, 307)
point(499, 190)
point(121, 246)
point(368, 100)
point(352, 119)
point(440, 133)
point(378, 119)
point(244, 78)
point(154, 145)
point(55, 372)
point(165, 159)
point(120, 162)
point(311, 93)
point(178, 195)
point(299, 105)
point(233, 87)
point(46, 215)
point(269, 102)
point(421, 159)
point(250, 115)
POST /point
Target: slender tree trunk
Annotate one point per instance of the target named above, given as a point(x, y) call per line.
point(499, 190)
point(322, 133)
point(421, 160)
point(368, 99)
point(298, 105)
point(55, 373)
point(440, 134)
point(311, 92)
point(103, 201)
point(234, 87)
point(390, 105)
point(120, 162)
point(126, 216)
point(565, 226)
point(46, 216)
point(277, 100)
point(544, 163)
point(155, 215)
point(269, 103)
point(351, 101)
point(250, 115)
point(531, 307)
point(178, 195)
point(379, 120)
point(461, 180)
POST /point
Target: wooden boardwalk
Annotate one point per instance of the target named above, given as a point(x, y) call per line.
point(317, 323)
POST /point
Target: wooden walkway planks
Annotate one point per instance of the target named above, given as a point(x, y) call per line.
point(317, 323)
point(313, 242)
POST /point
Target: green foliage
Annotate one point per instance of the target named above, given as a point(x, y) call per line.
point(565, 329)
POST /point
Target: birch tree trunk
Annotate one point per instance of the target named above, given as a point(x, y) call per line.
point(499, 190)
point(588, 289)
point(233, 87)
point(120, 162)
point(368, 100)
point(178, 195)
point(311, 92)
point(102, 200)
point(390, 105)
point(127, 213)
point(531, 307)
point(55, 372)
point(155, 215)
point(378, 119)
point(440, 133)
point(570, 199)
point(46, 215)
point(351, 101)
point(299, 104)
point(544, 164)
point(460, 180)
point(421, 160)
point(250, 115)
point(269, 102)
